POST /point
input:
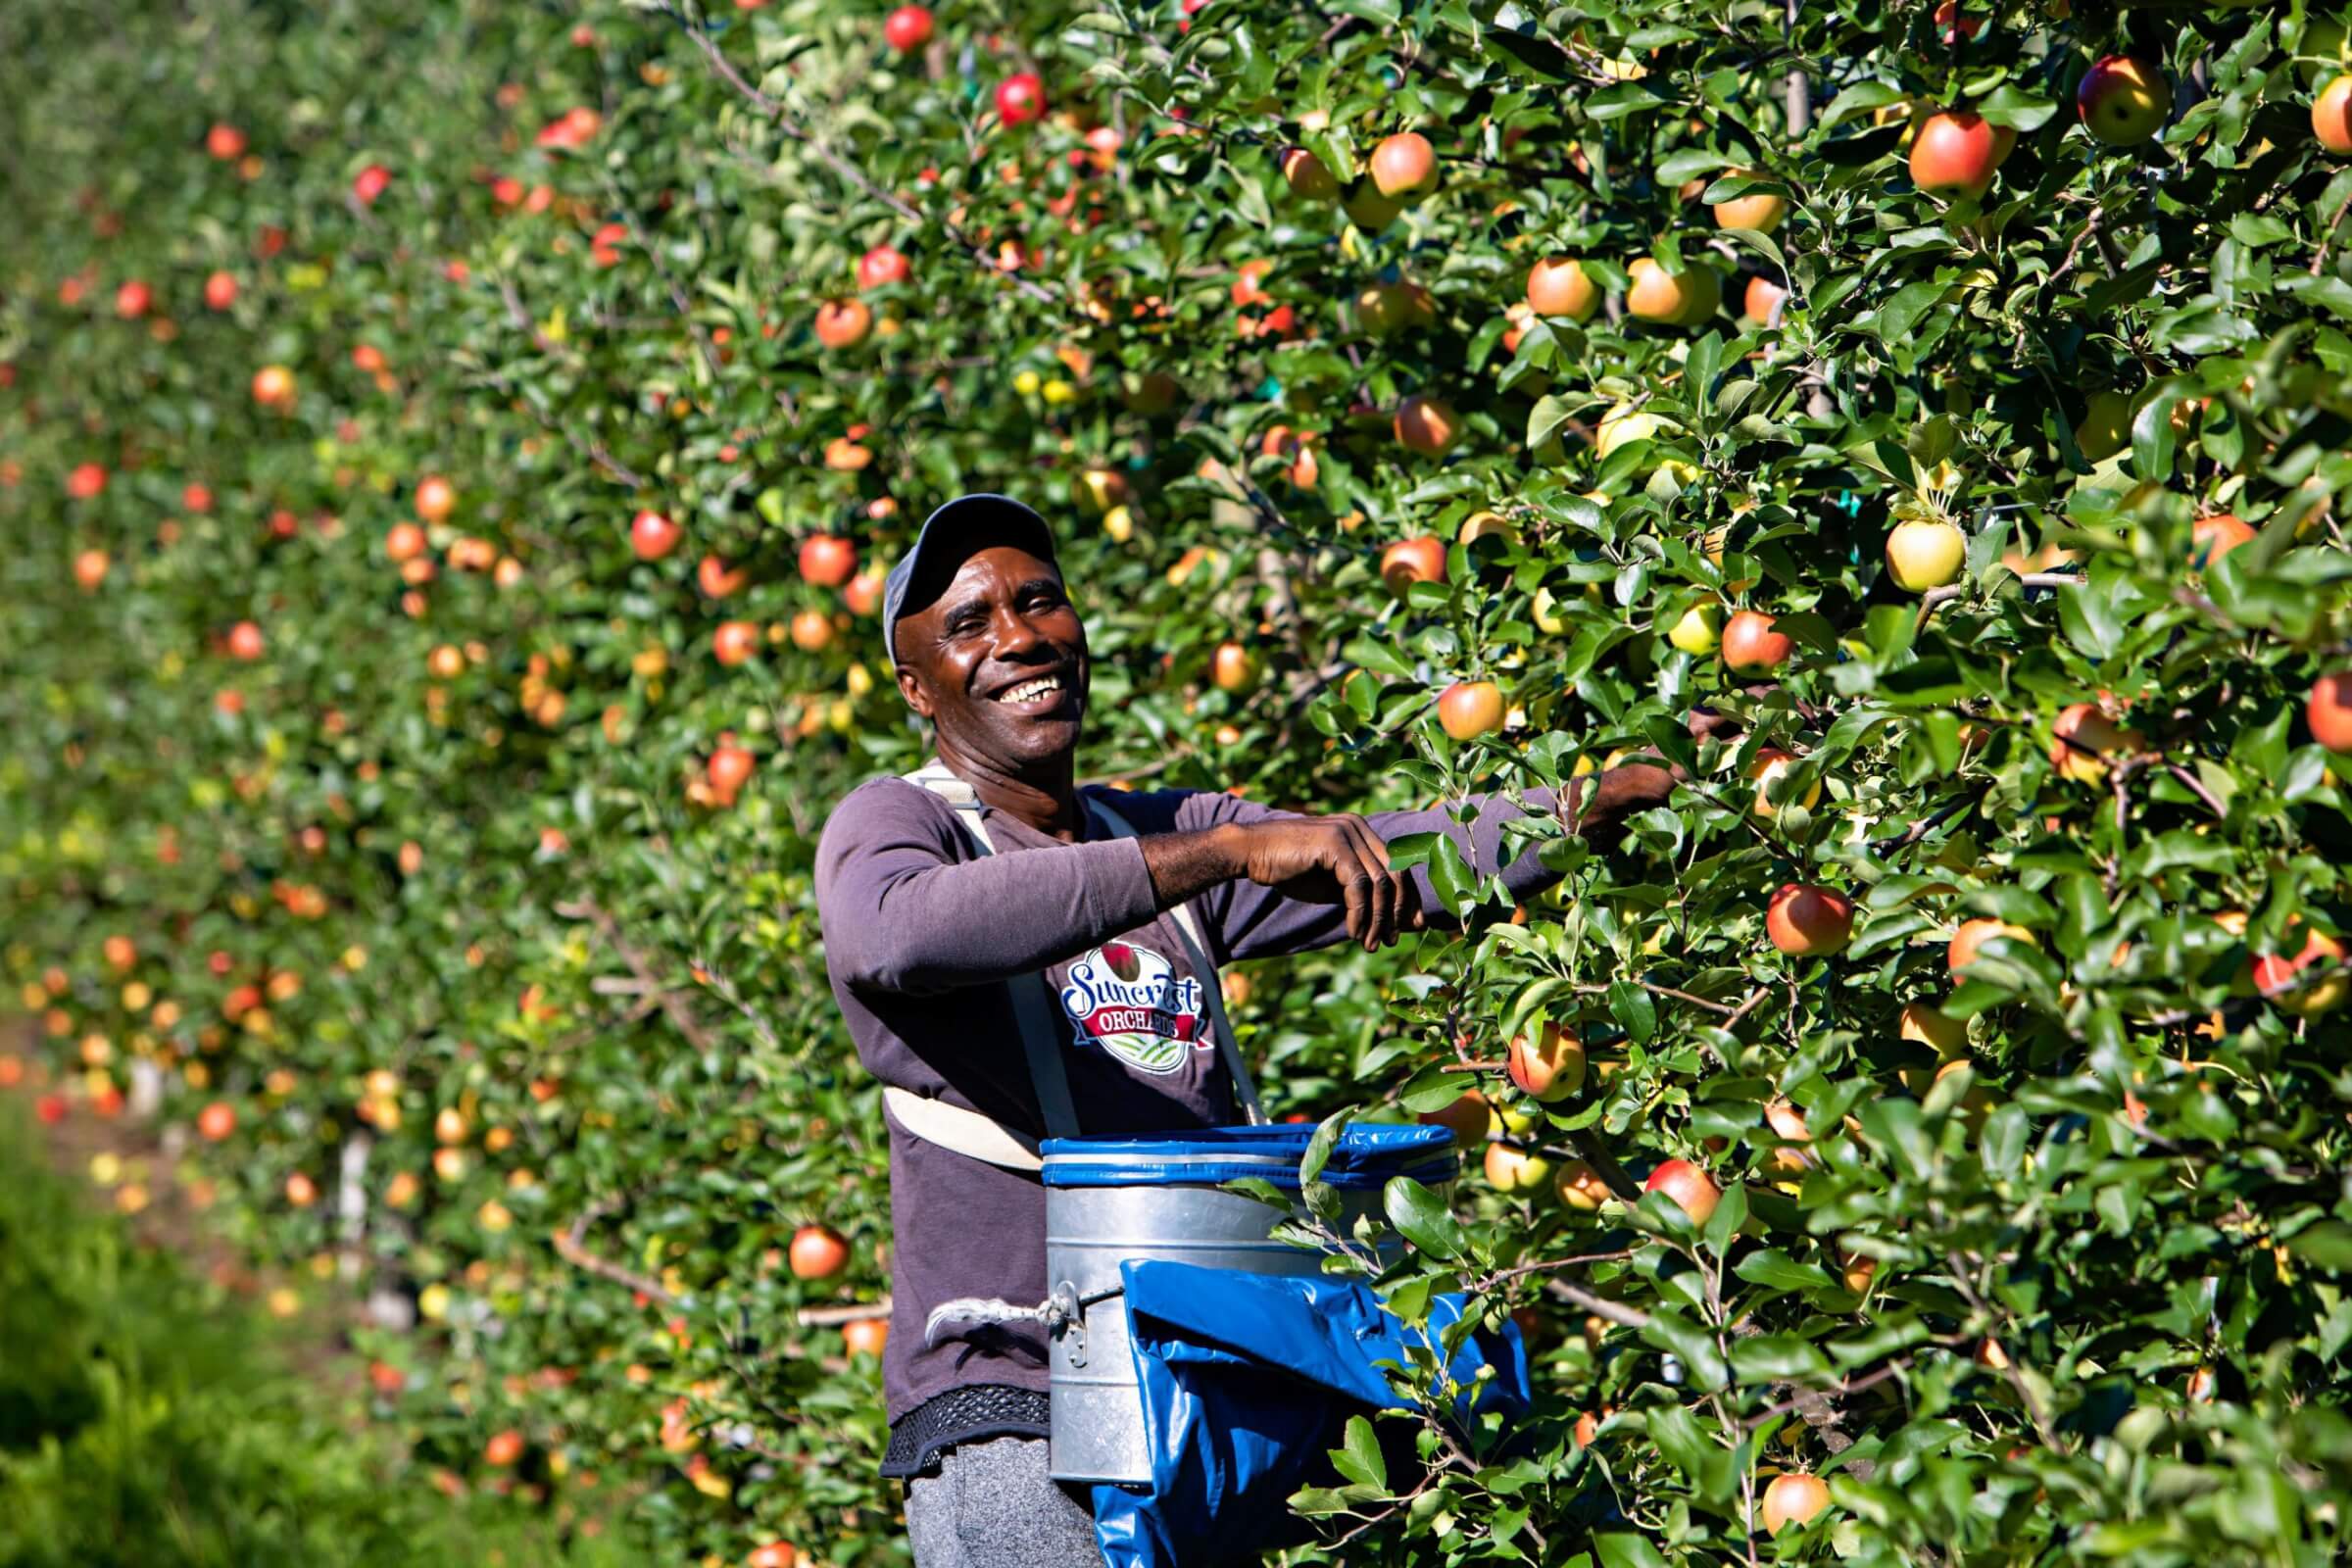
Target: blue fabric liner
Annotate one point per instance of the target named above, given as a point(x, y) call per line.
point(1363, 1157)
point(1246, 1380)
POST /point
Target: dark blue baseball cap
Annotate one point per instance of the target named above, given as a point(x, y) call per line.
point(949, 538)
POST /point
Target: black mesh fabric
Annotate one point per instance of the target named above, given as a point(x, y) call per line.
point(969, 1414)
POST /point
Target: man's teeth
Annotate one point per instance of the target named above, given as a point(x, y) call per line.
point(1030, 691)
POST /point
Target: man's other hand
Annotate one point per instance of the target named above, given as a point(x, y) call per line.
point(1331, 859)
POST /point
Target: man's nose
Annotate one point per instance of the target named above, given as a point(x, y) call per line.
point(1015, 634)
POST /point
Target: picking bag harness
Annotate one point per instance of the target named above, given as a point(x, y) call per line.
point(1036, 1015)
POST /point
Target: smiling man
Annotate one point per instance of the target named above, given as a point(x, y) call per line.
point(1020, 957)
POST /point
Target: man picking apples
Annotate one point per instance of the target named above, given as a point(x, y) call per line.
point(1020, 957)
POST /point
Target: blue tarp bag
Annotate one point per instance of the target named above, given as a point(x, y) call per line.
point(1245, 1360)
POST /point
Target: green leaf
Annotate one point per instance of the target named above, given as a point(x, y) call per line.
point(1360, 1459)
point(1422, 1218)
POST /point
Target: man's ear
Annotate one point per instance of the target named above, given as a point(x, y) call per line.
point(912, 689)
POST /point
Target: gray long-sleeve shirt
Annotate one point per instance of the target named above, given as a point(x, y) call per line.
point(921, 932)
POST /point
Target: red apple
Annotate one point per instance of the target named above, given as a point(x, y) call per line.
point(196, 498)
point(728, 770)
point(817, 1252)
point(273, 386)
point(863, 595)
point(735, 642)
point(1469, 1118)
point(2211, 538)
point(2328, 711)
point(1763, 297)
point(827, 560)
point(2331, 117)
point(1750, 646)
point(503, 1449)
point(710, 574)
point(225, 144)
point(2282, 979)
point(1020, 98)
point(132, 299)
point(880, 266)
point(1469, 708)
point(1233, 667)
point(843, 323)
point(2082, 739)
point(1308, 178)
point(1427, 425)
point(90, 570)
point(221, 291)
point(370, 183)
point(653, 535)
point(1955, 152)
point(436, 498)
point(1688, 1188)
point(245, 642)
point(1974, 934)
point(1558, 286)
point(215, 1121)
point(1412, 561)
point(1792, 1498)
point(907, 28)
point(1807, 922)
point(86, 482)
point(1405, 164)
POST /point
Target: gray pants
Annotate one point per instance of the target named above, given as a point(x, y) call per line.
point(992, 1505)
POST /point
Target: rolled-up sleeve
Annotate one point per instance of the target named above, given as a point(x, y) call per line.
point(1257, 922)
point(904, 905)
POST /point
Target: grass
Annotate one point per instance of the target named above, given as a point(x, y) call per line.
point(143, 1421)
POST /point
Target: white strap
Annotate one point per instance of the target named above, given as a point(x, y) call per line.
point(983, 1138)
point(965, 1132)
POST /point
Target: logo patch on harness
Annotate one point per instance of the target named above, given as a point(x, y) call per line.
point(1133, 1004)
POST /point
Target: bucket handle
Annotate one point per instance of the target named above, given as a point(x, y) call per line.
point(1062, 1312)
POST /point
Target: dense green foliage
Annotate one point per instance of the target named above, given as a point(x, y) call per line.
point(423, 875)
point(144, 1421)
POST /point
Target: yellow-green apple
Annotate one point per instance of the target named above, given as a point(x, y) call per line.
point(2106, 427)
point(1656, 295)
point(1770, 766)
point(1924, 553)
point(1698, 631)
point(1550, 1065)
point(1516, 1170)
point(1761, 210)
point(1580, 1186)
point(1946, 1037)
point(2123, 101)
point(1233, 667)
point(2082, 737)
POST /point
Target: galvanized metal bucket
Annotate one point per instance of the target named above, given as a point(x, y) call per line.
point(1108, 1199)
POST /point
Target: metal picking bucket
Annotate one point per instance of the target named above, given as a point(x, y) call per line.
point(1108, 1199)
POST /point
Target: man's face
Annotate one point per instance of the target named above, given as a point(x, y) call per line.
point(997, 663)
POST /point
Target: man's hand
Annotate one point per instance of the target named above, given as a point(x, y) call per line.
point(1330, 859)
